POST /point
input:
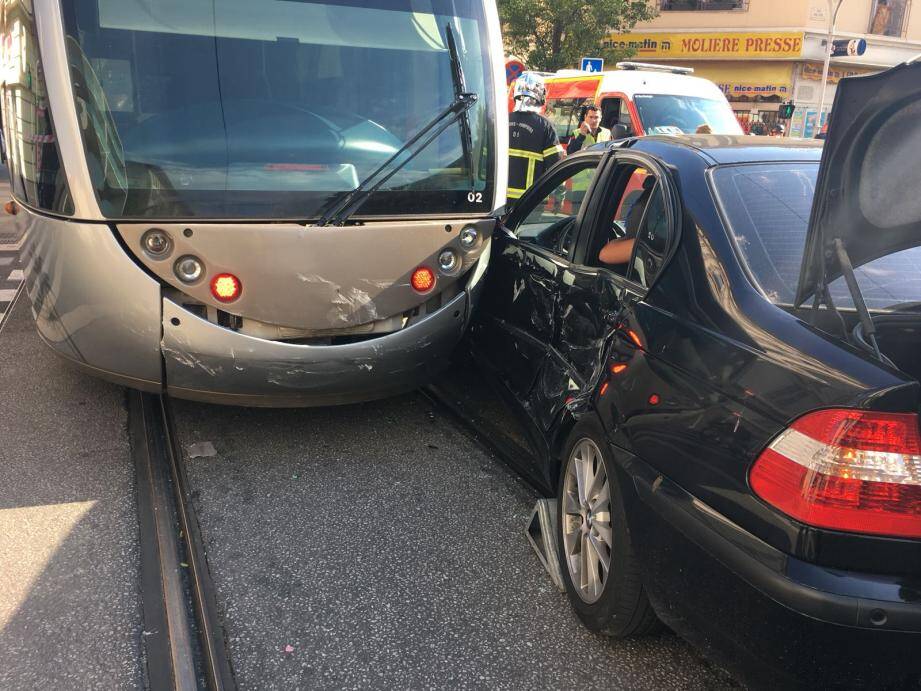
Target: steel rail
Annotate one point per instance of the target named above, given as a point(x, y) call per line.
point(183, 638)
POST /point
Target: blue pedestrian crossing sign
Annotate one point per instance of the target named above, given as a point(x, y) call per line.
point(592, 64)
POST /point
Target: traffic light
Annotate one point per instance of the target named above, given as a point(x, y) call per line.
point(786, 110)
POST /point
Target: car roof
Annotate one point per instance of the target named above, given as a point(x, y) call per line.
point(724, 149)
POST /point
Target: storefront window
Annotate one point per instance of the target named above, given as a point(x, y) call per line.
point(887, 17)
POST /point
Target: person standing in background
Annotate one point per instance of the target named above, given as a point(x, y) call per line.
point(590, 131)
point(533, 144)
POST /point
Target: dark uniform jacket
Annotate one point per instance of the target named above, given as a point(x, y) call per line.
point(533, 147)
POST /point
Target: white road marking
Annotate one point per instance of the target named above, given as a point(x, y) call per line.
point(13, 247)
point(16, 275)
point(7, 295)
point(6, 261)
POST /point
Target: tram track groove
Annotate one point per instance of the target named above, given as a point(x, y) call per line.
point(214, 649)
point(184, 642)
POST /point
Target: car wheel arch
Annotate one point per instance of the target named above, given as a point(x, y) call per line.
point(559, 435)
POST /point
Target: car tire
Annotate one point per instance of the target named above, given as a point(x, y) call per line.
point(617, 605)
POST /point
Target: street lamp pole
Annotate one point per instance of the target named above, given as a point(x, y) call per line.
point(829, 47)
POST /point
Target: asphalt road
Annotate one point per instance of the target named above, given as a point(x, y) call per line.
point(70, 613)
point(377, 546)
point(360, 547)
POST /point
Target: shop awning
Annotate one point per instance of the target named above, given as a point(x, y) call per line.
point(750, 79)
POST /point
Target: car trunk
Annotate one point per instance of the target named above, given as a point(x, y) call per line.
point(898, 334)
point(899, 339)
point(859, 214)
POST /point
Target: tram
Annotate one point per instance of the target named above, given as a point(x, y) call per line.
point(255, 202)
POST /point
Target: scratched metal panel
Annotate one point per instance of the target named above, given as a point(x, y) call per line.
point(310, 277)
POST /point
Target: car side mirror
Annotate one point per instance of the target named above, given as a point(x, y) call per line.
point(621, 131)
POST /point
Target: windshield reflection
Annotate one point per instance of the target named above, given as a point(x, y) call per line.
point(269, 107)
point(669, 114)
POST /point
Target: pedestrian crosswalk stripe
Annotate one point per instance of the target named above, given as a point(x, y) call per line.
point(16, 275)
point(12, 247)
point(7, 295)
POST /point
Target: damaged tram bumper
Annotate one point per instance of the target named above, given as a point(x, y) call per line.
point(297, 339)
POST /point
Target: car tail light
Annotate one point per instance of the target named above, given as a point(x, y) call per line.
point(850, 470)
point(423, 279)
point(226, 287)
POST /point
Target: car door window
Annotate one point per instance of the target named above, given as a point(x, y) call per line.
point(625, 118)
point(629, 194)
point(551, 222)
point(631, 237)
point(651, 240)
point(614, 111)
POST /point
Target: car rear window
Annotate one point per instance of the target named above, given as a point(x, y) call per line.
point(768, 206)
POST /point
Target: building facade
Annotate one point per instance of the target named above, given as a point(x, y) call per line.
point(763, 53)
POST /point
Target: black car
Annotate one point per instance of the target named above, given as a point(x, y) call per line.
point(728, 418)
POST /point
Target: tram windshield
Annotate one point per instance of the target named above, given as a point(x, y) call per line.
point(274, 108)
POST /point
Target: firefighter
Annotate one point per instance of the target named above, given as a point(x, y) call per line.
point(533, 144)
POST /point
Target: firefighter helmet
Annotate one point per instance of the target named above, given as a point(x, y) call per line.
point(529, 91)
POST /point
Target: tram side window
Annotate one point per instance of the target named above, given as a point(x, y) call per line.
point(36, 172)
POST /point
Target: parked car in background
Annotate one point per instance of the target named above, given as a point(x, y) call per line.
point(728, 418)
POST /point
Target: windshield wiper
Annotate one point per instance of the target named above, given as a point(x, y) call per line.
point(346, 205)
point(463, 119)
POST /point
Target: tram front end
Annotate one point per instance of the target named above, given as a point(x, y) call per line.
point(289, 206)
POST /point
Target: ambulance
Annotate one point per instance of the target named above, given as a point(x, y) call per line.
point(638, 99)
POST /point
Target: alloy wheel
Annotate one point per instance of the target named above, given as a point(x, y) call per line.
point(586, 517)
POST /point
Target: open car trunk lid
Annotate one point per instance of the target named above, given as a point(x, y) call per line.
point(868, 192)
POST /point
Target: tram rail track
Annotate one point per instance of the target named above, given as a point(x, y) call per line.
point(183, 640)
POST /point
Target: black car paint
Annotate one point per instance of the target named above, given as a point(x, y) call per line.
point(717, 373)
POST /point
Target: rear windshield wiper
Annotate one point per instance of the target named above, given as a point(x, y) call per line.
point(343, 207)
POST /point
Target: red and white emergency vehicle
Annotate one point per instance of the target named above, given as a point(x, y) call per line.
point(637, 99)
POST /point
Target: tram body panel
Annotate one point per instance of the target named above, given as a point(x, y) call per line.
point(314, 280)
point(208, 363)
point(91, 302)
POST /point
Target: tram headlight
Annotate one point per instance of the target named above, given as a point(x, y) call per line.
point(468, 237)
point(156, 243)
point(447, 261)
point(188, 269)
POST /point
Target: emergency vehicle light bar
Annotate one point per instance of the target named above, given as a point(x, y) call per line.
point(649, 67)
